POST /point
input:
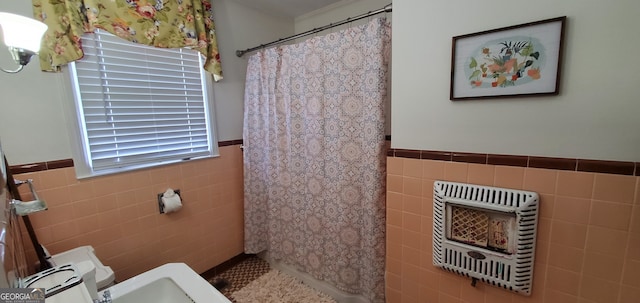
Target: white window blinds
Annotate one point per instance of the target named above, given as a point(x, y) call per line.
point(139, 105)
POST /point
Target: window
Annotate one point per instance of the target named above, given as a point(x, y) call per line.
point(140, 106)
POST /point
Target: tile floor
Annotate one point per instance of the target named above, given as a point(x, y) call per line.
point(236, 273)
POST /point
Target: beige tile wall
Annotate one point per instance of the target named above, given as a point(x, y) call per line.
point(118, 214)
point(588, 247)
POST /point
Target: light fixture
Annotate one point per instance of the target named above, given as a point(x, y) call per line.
point(22, 36)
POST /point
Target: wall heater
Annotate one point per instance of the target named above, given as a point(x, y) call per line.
point(486, 233)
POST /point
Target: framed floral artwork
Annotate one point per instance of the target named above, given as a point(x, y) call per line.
point(515, 61)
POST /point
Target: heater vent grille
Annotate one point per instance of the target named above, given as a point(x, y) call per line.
point(507, 260)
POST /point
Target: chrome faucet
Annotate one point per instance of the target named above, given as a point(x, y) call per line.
point(106, 297)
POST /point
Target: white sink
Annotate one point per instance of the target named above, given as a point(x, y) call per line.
point(169, 283)
point(160, 291)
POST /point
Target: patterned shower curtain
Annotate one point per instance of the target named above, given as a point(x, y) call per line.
point(315, 156)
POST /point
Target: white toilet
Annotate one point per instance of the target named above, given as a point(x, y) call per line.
point(104, 276)
point(65, 283)
point(77, 275)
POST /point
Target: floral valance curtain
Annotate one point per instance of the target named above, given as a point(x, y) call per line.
point(160, 23)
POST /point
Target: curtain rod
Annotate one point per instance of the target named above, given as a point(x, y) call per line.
point(385, 9)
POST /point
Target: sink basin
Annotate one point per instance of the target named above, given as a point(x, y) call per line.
point(160, 291)
point(169, 283)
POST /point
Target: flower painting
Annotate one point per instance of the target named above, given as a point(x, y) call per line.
point(506, 63)
point(515, 61)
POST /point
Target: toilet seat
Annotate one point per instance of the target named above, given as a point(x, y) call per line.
point(54, 280)
point(65, 283)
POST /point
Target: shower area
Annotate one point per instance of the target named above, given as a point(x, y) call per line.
point(315, 159)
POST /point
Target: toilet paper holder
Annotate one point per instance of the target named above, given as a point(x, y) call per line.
point(161, 204)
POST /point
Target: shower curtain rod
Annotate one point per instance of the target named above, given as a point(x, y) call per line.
point(386, 9)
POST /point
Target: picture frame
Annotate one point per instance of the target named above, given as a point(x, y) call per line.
point(516, 61)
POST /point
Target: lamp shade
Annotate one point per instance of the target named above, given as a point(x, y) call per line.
point(21, 32)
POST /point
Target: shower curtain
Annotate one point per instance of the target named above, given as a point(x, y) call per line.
point(315, 156)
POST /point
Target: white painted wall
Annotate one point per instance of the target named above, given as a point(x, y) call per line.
point(337, 12)
point(34, 124)
point(239, 27)
point(594, 117)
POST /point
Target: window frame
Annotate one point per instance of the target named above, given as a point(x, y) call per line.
point(80, 146)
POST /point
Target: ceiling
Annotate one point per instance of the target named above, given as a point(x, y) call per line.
point(287, 8)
